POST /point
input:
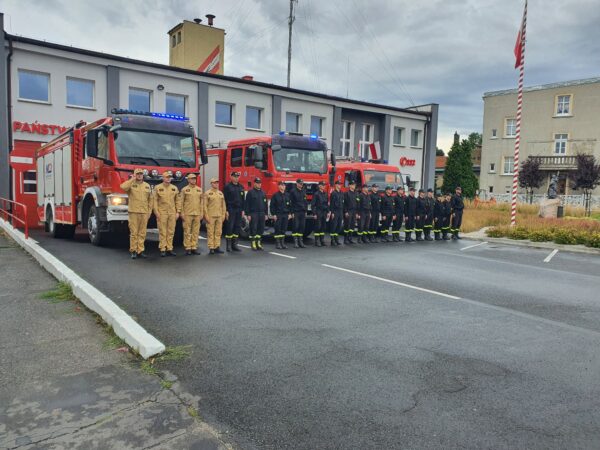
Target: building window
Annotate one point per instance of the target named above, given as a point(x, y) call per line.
point(175, 104)
point(491, 189)
point(292, 122)
point(494, 133)
point(492, 167)
point(80, 92)
point(236, 157)
point(29, 182)
point(34, 86)
point(173, 41)
point(560, 144)
point(563, 105)
point(415, 138)
point(346, 139)
point(399, 135)
point(316, 126)
point(510, 127)
point(139, 99)
point(224, 114)
point(509, 163)
point(253, 118)
point(366, 139)
point(179, 37)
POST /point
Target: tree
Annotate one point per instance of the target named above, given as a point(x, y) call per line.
point(586, 177)
point(475, 139)
point(530, 176)
point(439, 152)
point(459, 168)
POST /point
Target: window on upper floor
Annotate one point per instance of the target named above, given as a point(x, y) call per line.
point(254, 118)
point(140, 99)
point(173, 41)
point(509, 164)
point(492, 167)
point(494, 133)
point(563, 105)
point(399, 135)
point(224, 113)
point(316, 126)
point(560, 143)
point(34, 86)
point(415, 138)
point(175, 104)
point(80, 92)
point(292, 122)
point(346, 139)
point(510, 127)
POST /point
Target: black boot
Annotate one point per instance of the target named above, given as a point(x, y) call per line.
point(458, 235)
point(428, 235)
point(437, 236)
point(228, 244)
point(301, 242)
point(234, 245)
point(317, 241)
point(323, 240)
point(350, 241)
point(419, 236)
point(296, 244)
point(278, 244)
point(384, 238)
point(445, 235)
point(454, 233)
point(133, 255)
point(283, 246)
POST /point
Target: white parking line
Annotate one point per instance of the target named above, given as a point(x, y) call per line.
point(410, 286)
point(471, 246)
point(245, 246)
point(281, 254)
point(551, 255)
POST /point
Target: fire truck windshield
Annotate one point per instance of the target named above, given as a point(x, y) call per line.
point(289, 159)
point(155, 148)
point(382, 178)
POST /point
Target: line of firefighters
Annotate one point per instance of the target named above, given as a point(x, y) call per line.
point(363, 212)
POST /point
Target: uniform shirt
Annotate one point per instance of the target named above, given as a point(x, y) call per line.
point(256, 202)
point(298, 200)
point(420, 206)
point(410, 206)
point(351, 201)
point(456, 203)
point(375, 202)
point(214, 204)
point(166, 199)
point(399, 205)
point(319, 202)
point(280, 203)
point(438, 209)
point(336, 202)
point(192, 200)
point(446, 209)
point(140, 196)
point(234, 196)
point(364, 202)
point(387, 205)
point(429, 204)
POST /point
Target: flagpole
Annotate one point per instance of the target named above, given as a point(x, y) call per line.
point(513, 212)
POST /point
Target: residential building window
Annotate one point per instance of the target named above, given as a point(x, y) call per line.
point(179, 37)
point(34, 86)
point(494, 132)
point(224, 114)
point(399, 135)
point(366, 139)
point(29, 182)
point(173, 41)
point(563, 105)
point(236, 157)
point(175, 104)
point(491, 189)
point(510, 127)
point(346, 140)
point(140, 99)
point(316, 125)
point(509, 163)
point(492, 167)
point(253, 118)
point(292, 122)
point(415, 137)
point(80, 93)
point(560, 144)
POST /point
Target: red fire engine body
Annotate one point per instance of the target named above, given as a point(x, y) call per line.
point(371, 172)
point(80, 171)
point(281, 157)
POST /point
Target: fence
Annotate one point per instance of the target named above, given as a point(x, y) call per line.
point(565, 200)
point(9, 210)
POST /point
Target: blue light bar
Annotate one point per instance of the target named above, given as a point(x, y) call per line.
point(314, 136)
point(282, 133)
point(149, 114)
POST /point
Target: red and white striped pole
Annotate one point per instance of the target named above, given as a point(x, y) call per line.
point(513, 211)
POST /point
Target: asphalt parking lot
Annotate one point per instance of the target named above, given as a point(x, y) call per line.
point(424, 345)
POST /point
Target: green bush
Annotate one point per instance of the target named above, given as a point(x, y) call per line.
point(565, 236)
point(496, 232)
point(519, 233)
point(543, 235)
point(593, 240)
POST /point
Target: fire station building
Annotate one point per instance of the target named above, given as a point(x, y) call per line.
point(47, 88)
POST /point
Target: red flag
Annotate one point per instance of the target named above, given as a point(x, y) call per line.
point(519, 43)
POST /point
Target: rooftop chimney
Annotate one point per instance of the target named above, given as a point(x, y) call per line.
point(210, 18)
point(248, 78)
point(198, 21)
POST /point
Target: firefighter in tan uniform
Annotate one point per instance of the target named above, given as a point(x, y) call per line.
point(214, 214)
point(166, 208)
point(140, 208)
point(192, 211)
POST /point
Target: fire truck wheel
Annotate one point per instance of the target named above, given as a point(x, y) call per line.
point(93, 227)
point(51, 226)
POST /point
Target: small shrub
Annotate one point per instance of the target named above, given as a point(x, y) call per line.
point(564, 236)
point(593, 240)
point(519, 233)
point(541, 235)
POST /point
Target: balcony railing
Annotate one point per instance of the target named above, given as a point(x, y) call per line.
point(559, 162)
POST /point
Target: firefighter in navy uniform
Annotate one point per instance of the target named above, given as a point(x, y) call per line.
point(446, 214)
point(457, 205)
point(336, 213)
point(350, 212)
point(375, 210)
point(428, 221)
point(234, 200)
point(410, 210)
point(319, 206)
point(364, 214)
point(420, 218)
point(255, 207)
point(281, 214)
point(399, 213)
point(299, 206)
point(387, 213)
point(438, 216)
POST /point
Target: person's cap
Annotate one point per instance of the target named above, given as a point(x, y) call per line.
point(375, 185)
point(352, 182)
point(438, 194)
point(235, 174)
point(214, 180)
point(421, 191)
point(321, 183)
point(300, 181)
point(399, 188)
point(281, 183)
point(429, 190)
point(337, 182)
point(458, 188)
point(257, 180)
point(388, 187)
point(167, 173)
point(412, 189)
point(136, 171)
point(191, 175)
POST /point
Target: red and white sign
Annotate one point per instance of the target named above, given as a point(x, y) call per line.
point(404, 161)
point(212, 63)
point(43, 129)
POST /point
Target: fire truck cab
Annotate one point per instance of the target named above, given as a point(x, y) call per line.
point(370, 172)
point(80, 171)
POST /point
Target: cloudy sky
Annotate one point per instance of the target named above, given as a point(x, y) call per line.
point(396, 52)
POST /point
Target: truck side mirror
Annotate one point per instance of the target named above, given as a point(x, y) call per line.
point(202, 156)
point(275, 147)
point(331, 175)
point(408, 180)
point(332, 159)
point(91, 144)
point(258, 156)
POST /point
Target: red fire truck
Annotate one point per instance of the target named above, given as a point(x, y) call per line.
point(281, 157)
point(80, 171)
point(374, 171)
